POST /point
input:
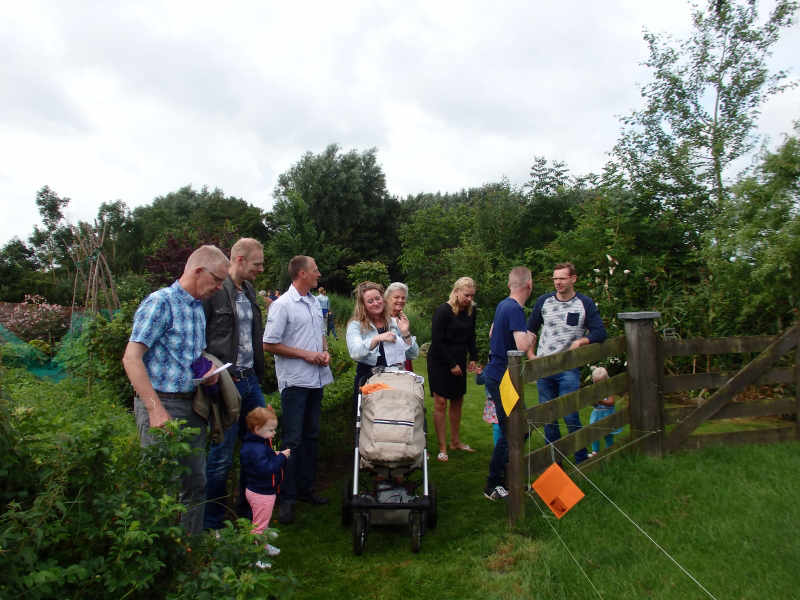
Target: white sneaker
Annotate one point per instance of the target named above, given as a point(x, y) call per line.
point(273, 534)
point(263, 565)
point(272, 550)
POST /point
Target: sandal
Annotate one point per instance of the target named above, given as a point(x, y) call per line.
point(443, 457)
point(465, 448)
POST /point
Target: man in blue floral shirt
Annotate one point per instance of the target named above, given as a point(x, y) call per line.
point(169, 333)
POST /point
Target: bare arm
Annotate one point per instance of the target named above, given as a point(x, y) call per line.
point(133, 363)
point(532, 349)
point(523, 340)
point(315, 358)
point(580, 342)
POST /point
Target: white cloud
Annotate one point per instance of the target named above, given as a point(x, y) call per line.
point(124, 100)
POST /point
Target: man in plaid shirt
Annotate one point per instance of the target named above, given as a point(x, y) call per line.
point(169, 333)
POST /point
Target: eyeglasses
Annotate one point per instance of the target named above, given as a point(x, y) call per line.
point(557, 279)
point(217, 279)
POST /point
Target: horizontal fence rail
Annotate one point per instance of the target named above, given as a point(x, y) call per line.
point(564, 361)
point(733, 345)
point(707, 381)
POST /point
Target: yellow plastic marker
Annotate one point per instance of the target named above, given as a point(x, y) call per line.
point(507, 393)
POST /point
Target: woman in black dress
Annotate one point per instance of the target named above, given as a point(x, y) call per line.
point(452, 336)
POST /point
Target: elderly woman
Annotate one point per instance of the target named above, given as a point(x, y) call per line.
point(395, 298)
point(372, 327)
point(452, 336)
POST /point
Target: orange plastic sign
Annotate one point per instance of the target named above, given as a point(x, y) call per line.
point(557, 490)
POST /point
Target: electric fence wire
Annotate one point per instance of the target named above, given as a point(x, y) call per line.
point(622, 512)
point(544, 517)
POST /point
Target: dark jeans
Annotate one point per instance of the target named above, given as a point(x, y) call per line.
point(220, 460)
point(499, 459)
point(300, 412)
point(553, 387)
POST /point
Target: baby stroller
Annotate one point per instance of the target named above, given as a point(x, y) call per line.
point(390, 447)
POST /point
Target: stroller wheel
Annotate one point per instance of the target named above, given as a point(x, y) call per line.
point(433, 511)
point(359, 534)
point(415, 529)
point(347, 495)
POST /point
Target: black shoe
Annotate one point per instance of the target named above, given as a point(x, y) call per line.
point(314, 499)
point(286, 513)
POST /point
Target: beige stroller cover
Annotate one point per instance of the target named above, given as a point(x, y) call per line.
point(392, 422)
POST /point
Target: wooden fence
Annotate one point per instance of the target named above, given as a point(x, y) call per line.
point(647, 384)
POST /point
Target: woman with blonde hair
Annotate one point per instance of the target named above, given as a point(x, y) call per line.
point(370, 328)
point(452, 337)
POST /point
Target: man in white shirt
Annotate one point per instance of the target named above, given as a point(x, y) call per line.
point(294, 335)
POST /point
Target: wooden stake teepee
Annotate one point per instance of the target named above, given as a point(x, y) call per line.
point(92, 268)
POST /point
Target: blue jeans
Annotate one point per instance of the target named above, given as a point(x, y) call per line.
point(553, 387)
point(220, 460)
point(300, 411)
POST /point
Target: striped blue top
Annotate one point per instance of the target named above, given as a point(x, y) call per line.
point(171, 323)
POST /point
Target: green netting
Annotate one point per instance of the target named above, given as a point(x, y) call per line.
point(7, 337)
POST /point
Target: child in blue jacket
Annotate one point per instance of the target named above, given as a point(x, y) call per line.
point(262, 466)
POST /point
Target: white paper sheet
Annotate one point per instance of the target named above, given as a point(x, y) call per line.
point(395, 353)
point(202, 379)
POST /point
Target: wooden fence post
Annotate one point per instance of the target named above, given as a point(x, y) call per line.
point(645, 374)
point(797, 386)
point(515, 510)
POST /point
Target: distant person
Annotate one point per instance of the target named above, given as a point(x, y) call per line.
point(489, 411)
point(263, 468)
point(168, 335)
point(272, 295)
point(294, 335)
point(395, 298)
point(604, 408)
point(233, 335)
point(452, 338)
point(568, 320)
point(509, 332)
point(324, 304)
point(370, 329)
point(331, 325)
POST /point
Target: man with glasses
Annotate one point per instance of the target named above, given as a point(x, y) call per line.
point(233, 335)
point(168, 335)
point(568, 320)
point(294, 334)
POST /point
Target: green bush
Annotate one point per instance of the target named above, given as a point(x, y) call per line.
point(342, 307)
point(22, 355)
point(87, 513)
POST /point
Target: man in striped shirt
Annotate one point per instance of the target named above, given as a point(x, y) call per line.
point(567, 320)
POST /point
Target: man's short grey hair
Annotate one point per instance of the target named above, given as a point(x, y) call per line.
point(207, 256)
point(393, 287)
point(519, 277)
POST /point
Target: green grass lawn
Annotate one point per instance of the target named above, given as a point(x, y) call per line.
point(727, 515)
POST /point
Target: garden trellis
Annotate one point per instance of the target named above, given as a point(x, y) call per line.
point(92, 269)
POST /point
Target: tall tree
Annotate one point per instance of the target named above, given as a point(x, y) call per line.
point(49, 242)
point(347, 200)
point(702, 105)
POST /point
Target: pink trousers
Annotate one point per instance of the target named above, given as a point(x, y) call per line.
point(262, 505)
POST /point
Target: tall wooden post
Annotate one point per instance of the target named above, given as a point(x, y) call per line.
point(797, 386)
point(515, 434)
point(645, 374)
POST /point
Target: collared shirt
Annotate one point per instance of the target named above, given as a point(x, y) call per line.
point(296, 321)
point(171, 323)
point(358, 343)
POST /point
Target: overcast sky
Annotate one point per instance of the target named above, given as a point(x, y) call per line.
point(132, 100)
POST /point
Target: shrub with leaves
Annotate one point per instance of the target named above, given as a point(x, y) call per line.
point(89, 514)
point(37, 319)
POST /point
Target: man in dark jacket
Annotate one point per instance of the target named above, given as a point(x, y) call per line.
point(233, 334)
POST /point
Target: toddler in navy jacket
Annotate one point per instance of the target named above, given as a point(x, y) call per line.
point(262, 466)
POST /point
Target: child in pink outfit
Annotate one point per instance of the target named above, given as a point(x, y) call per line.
point(262, 466)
